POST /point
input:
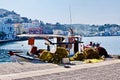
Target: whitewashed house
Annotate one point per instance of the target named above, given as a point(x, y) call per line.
point(27, 26)
point(18, 28)
point(8, 29)
point(56, 31)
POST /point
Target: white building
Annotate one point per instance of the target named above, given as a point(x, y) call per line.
point(18, 28)
point(27, 26)
point(57, 31)
point(8, 29)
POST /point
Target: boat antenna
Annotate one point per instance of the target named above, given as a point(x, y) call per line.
point(71, 30)
point(70, 14)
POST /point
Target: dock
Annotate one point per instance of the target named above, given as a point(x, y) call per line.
point(106, 70)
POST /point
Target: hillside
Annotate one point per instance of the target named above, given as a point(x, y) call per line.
point(11, 17)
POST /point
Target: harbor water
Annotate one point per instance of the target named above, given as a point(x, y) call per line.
point(111, 44)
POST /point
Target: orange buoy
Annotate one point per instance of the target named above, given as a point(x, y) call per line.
point(31, 41)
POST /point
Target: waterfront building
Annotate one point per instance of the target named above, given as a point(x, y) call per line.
point(35, 23)
point(55, 31)
point(18, 28)
point(37, 30)
point(8, 31)
point(27, 26)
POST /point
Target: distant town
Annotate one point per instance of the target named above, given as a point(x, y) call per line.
point(12, 24)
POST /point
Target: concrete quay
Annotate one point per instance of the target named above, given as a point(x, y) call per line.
point(106, 70)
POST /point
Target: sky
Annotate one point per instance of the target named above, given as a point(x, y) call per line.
point(96, 12)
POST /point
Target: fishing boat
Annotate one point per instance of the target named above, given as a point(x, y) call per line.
point(59, 40)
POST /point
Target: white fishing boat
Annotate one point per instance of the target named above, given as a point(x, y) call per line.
point(69, 42)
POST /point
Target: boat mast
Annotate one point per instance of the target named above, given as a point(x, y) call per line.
point(70, 14)
point(70, 29)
